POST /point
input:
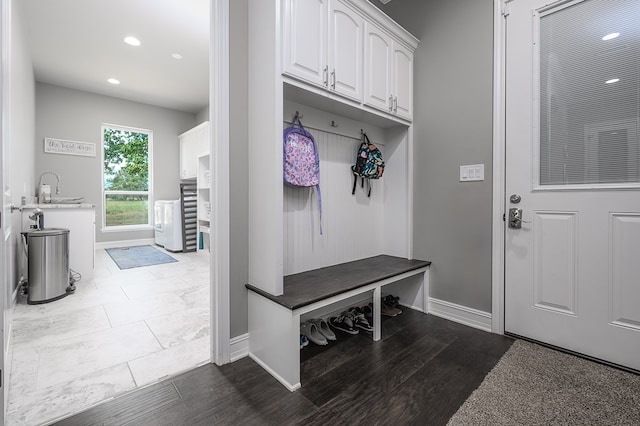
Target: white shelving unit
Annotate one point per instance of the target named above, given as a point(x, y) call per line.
point(345, 67)
point(285, 70)
point(204, 202)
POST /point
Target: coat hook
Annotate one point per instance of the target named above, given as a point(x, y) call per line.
point(298, 116)
point(334, 124)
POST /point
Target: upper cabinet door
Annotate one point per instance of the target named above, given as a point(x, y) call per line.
point(402, 82)
point(377, 66)
point(188, 156)
point(305, 40)
point(193, 143)
point(345, 51)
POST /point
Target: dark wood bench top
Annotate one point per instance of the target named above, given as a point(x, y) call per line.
point(309, 287)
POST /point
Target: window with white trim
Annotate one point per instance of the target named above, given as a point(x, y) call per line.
point(589, 91)
point(126, 177)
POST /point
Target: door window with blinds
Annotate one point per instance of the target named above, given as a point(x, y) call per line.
point(588, 95)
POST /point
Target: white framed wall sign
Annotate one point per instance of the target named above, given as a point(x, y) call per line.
point(61, 146)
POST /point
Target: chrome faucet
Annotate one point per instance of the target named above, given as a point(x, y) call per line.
point(57, 182)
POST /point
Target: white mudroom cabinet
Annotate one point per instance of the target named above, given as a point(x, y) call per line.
point(346, 69)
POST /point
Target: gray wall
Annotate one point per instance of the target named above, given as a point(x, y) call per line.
point(76, 115)
point(202, 115)
point(238, 153)
point(453, 80)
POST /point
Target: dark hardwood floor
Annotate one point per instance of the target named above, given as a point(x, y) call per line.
point(420, 372)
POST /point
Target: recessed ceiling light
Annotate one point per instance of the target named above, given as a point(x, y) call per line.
point(176, 56)
point(132, 41)
point(113, 81)
point(613, 80)
point(610, 36)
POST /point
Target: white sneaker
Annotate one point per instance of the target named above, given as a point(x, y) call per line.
point(310, 330)
point(323, 328)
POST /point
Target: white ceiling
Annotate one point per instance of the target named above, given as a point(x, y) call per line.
point(79, 44)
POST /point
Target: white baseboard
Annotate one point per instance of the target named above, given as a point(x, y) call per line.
point(461, 314)
point(125, 243)
point(278, 377)
point(239, 347)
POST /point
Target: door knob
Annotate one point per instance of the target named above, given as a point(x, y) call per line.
point(515, 198)
point(515, 218)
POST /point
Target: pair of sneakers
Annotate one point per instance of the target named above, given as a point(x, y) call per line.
point(318, 331)
point(351, 321)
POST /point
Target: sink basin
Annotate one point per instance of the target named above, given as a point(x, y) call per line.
point(67, 200)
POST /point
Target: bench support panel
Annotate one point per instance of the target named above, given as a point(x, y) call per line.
point(274, 340)
point(274, 330)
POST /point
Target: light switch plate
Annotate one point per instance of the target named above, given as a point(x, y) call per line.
point(473, 172)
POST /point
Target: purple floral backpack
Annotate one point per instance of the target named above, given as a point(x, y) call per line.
point(301, 160)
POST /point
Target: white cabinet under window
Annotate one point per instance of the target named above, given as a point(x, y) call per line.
point(388, 73)
point(323, 45)
point(193, 143)
point(80, 220)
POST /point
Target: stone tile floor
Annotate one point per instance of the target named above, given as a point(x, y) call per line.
point(120, 331)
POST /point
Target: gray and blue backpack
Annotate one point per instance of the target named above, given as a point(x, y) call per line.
point(369, 164)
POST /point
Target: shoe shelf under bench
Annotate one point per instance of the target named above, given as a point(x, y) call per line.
point(274, 321)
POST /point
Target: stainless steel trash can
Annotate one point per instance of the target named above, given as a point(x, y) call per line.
point(48, 253)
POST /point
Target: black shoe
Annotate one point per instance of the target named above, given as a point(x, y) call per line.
point(343, 323)
point(393, 302)
point(358, 319)
point(367, 310)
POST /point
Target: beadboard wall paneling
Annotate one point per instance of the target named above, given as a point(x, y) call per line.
point(397, 193)
point(352, 225)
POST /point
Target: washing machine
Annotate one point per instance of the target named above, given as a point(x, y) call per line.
point(167, 224)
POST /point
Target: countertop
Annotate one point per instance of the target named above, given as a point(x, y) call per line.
point(58, 206)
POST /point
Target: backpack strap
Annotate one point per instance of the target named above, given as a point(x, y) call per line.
point(319, 205)
point(355, 181)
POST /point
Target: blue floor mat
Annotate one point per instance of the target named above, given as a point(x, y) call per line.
point(137, 256)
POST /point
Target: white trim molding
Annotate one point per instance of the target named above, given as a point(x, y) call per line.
point(498, 204)
point(219, 165)
point(460, 314)
point(239, 347)
point(125, 243)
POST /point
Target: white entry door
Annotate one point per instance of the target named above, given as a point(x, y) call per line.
point(572, 271)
